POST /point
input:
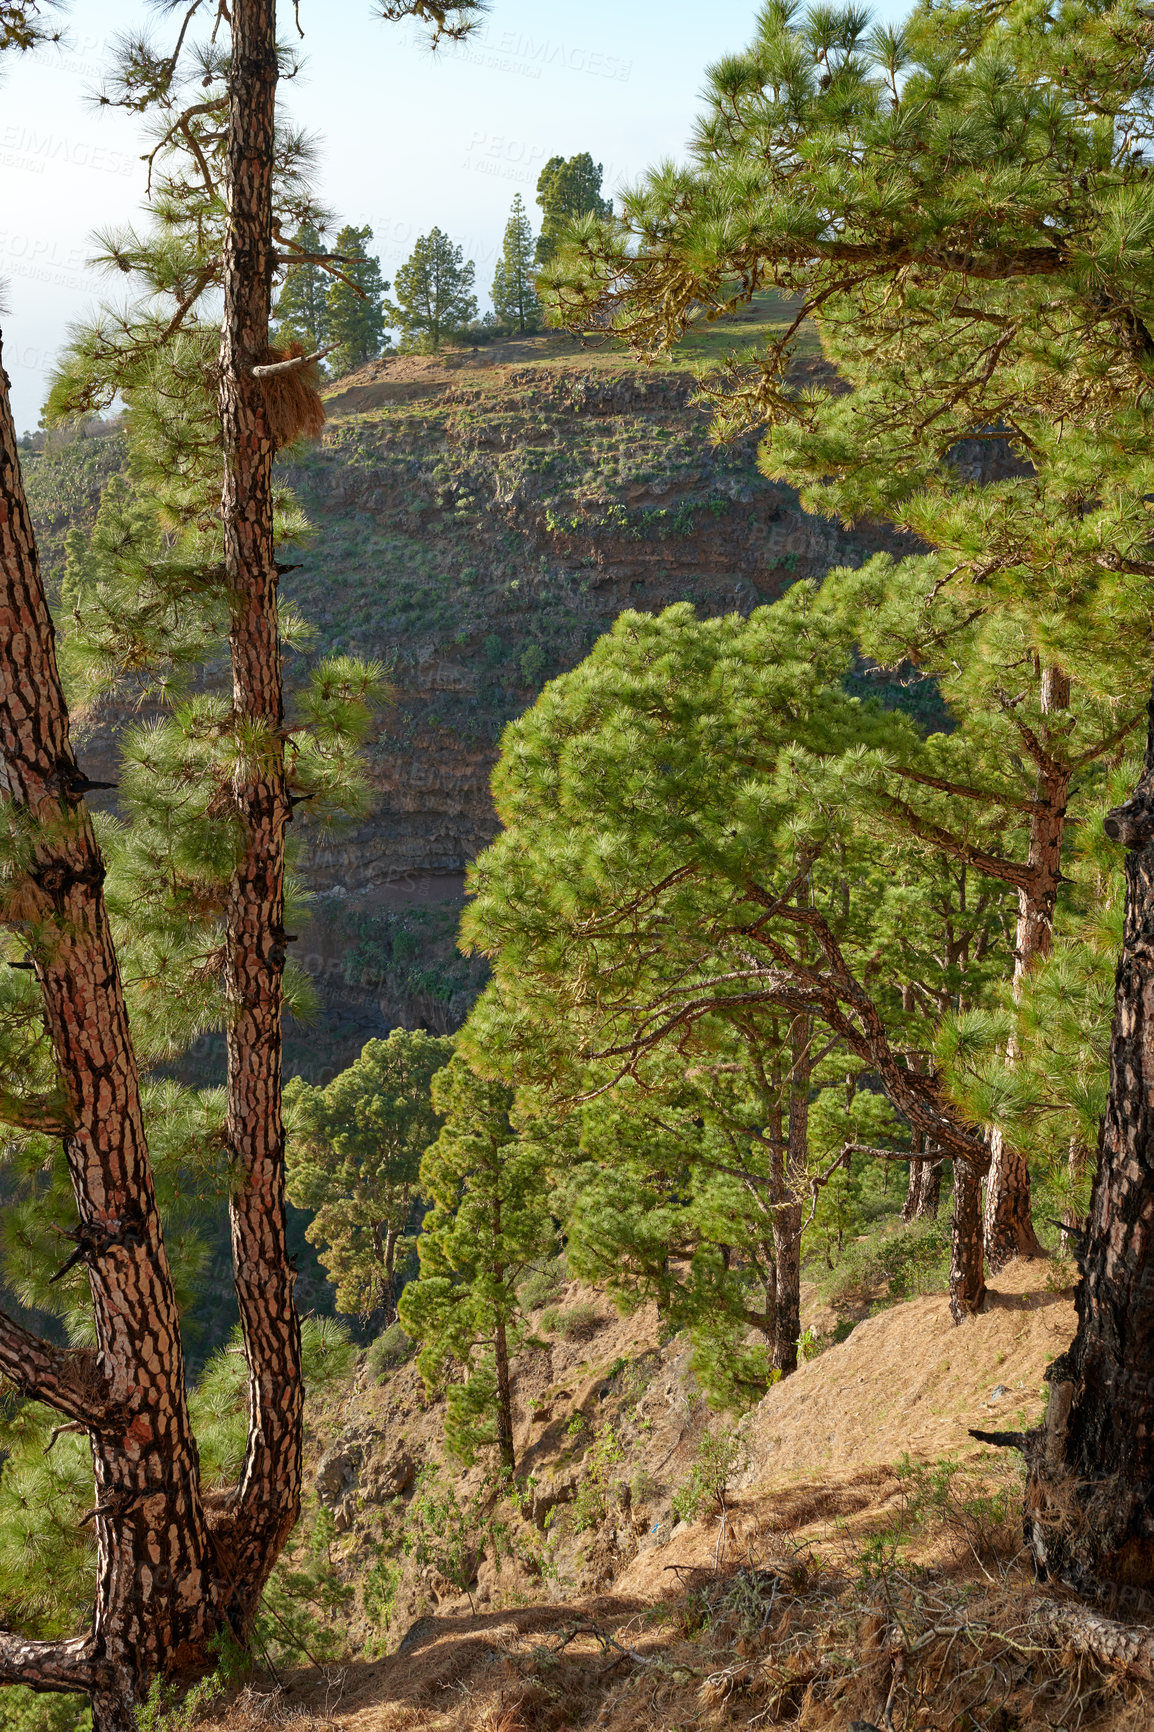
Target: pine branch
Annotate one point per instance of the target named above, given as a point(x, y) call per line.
point(965, 791)
point(69, 1664)
point(53, 1375)
point(1009, 871)
point(38, 1113)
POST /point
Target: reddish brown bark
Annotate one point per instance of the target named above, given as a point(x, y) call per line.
point(1089, 1494)
point(155, 1599)
point(267, 1501)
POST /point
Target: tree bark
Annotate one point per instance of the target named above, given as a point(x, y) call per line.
point(264, 1507)
point(1009, 1225)
point(967, 1280)
point(504, 1400)
point(1090, 1513)
point(155, 1601)
point(787, 1219)
point(389, 1282)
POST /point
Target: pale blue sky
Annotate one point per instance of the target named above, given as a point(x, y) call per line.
point(408, 139)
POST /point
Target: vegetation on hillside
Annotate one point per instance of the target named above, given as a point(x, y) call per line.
point(805, 968)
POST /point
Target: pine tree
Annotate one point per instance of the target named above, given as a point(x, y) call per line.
point(974, 254)
point(434, 291)
point(236, 761)
point(354, 317)
point(488, 1224)
point(354, 1155)
point(687, 775)
point(567, 190)
point(301, 313)
point(514, 297)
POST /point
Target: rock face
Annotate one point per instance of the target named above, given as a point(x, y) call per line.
point(479, 539)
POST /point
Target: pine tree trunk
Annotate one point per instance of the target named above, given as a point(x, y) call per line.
point(967, 1279)
point(156, 1603)
point(912, 1207)
point(788, 1215)
point(389, 1285)
point(266, 1503)
point(504, 1402)
point(1091, 1464)
point(1009, 1225)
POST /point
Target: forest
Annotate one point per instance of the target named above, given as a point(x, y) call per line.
point(672, 1243)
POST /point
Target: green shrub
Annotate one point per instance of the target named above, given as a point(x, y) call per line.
point(22, 1710)
point(720, 1455)
point(577, 1322)
point(388, 1351)
point(541, 1284)
point(534, 661)
point(899, 1264)
point(591, 1501)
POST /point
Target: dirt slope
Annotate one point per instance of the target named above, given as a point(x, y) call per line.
point(830, 1595)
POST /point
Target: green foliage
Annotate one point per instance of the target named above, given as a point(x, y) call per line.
point(452, 1537)
point(303, 1615)
point(354, 309)
point(540, 1285)
point(488, 1224)
point(566, 190)
point(575, 1324)
point(301, 312)
point(434, 292)
point(898, 1263)
point(379, 1591)
point(514, 297)
point(595, 1485)
point(354, 1151)
point(23, 1710)
point(387, 1351)
point(720, 1455)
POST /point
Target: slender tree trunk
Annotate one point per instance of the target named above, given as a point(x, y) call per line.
point(1076, 1159)
point(1009, 1226)
point(967, 1279)
point(392, 1234)
point(1091, 1464)
point(924, 1191)
point(788, 1216)
point(266, 1503)
point(154, 1598)
point(504, 1402)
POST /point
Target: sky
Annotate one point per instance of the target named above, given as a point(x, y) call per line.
point(407, 139)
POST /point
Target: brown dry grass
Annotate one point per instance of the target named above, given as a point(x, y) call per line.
point(918, 1624)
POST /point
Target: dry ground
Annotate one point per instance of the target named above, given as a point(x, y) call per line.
point(852, 1582)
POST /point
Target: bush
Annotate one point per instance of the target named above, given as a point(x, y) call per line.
point(388, 1351)
point(576, 1323)
point(534, 661)
point(541, 1284)
point(900, 1264)
point(591, 1501)
point(719, 1457)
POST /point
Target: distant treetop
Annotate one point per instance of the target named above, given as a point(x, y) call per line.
point(565, 190)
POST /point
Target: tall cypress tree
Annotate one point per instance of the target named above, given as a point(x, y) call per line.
point(354, 317)
point(514, 296)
